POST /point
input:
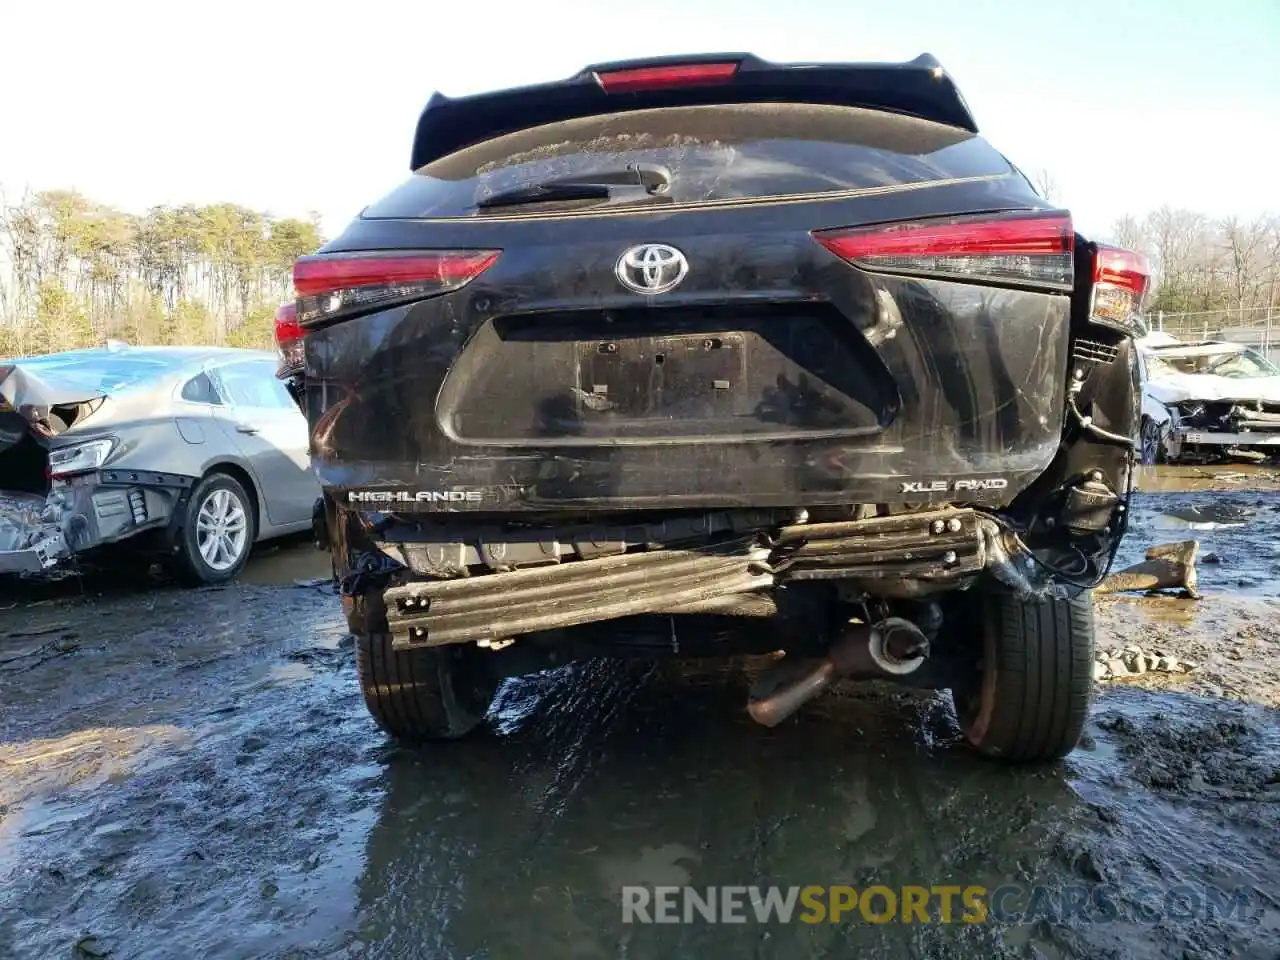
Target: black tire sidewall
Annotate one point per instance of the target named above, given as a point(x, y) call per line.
point(192, 565)
point(422, 696)
point(1039, 649)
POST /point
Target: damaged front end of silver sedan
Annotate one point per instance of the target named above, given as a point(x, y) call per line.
point(55, 501)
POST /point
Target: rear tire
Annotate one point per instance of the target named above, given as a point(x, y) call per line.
point(1031, 697)
point(217, 532)
point(421, 696)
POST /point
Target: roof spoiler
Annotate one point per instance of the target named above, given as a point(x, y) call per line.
point(918, 88)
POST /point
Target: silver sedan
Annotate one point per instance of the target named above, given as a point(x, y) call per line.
point(195, 453)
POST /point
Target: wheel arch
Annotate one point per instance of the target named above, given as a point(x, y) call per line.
point(241, 475)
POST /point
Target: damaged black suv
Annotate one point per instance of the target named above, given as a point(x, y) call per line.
point(712, 355)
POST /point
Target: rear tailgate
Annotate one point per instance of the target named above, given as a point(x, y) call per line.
point(775, 371)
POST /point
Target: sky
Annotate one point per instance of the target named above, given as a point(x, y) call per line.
point(292, 107)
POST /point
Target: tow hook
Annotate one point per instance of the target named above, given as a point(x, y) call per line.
point(893, 647)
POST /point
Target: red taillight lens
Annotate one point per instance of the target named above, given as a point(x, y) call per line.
point(287, 326)
point(676, 75)
point(1022, 248)
point(1120, 282)
point(331, 285)
point(289, 338)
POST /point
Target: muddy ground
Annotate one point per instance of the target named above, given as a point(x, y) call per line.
point(193, 774)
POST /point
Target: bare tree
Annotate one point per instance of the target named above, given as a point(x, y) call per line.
point(1046, 185)
point(1180, 245)
point(1245, 245)
point(1129, 233)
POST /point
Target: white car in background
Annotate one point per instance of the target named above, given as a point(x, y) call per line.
point(1210, 400)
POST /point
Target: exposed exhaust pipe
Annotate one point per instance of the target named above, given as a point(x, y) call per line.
point(894, 647)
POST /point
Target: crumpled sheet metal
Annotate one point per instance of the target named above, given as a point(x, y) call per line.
point(31, 532)
point(23, 520)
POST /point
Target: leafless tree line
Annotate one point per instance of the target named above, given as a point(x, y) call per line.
point(1223, 272)
point(74, 272)
point(1229, 267)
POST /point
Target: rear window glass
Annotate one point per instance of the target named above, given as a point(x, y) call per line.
point(200, 389)
point(98, 372)
point(253, 384)
point(713, 153)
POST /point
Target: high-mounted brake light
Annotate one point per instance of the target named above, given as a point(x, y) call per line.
point(1023, 248)
point(1120, 282)
point(336, 284)
point(288, 338)
point(675, 75)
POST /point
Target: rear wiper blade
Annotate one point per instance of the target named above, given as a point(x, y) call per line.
point(545, 193)
point(649, 181)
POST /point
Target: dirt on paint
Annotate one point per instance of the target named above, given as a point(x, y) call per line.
point(194, 774)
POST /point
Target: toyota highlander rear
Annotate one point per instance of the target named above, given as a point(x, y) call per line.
point(712, 355)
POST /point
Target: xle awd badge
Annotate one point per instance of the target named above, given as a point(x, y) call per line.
point(959, 486)
point(651, 268)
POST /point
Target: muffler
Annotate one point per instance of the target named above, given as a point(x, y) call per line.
point(894, 647)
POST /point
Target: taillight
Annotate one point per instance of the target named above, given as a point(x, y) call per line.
point(635, 79)
point(1120, 282)
point(1023, 248)
point(335, 284)
point(289, 337)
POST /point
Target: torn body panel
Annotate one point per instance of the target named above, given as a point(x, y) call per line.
point(82, 513)
point(31, 535)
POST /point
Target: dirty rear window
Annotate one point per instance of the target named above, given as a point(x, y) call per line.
point(713, 153)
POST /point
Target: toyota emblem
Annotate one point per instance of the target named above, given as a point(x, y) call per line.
point(652, 268)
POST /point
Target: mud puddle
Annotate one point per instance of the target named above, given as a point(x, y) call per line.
point(193, 774)
point(1183, 478)
point(1239, 534)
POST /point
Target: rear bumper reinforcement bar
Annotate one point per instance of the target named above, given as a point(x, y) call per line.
point(735, 577)
point(939, 545)
point(493, 607)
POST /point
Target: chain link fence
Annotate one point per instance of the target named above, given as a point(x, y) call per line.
point(1255, 326)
